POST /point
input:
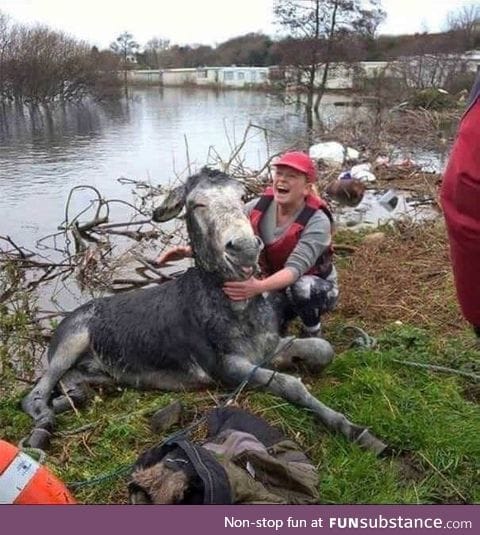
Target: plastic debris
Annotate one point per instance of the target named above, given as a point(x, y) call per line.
point(363, 172)
point(389, 200)
point(352, 154)
point(329, 152)
point(383, 160)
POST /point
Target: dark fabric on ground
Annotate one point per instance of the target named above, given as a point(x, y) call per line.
point(244, 460)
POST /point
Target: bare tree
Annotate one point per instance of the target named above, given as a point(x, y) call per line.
point(426, 61)
point(319, 26)
point(5, 38)
point(125, 46)
point(429, 70)
point(465, 21)
point(39, 65)
point(153, 50)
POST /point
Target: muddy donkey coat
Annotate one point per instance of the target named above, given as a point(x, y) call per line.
point(186, 333)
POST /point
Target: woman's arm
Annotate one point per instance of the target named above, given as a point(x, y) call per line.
point(174, 253)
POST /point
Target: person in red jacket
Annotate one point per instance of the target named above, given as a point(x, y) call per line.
point(295, 226)
point(460, 200)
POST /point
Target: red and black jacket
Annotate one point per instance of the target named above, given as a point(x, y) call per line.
point(275, 255)
point(460, 199)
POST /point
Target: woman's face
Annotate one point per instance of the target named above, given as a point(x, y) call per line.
point(290, 187)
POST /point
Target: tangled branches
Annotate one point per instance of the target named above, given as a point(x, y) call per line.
point(77, 258)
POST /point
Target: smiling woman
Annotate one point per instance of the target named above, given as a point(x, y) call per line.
point(296, 228)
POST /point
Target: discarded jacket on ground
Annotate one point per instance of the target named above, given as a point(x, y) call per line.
point(244, 460)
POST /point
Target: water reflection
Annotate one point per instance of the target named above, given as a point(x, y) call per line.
point(45, 151)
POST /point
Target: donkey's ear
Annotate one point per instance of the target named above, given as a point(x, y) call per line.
point(171, 206)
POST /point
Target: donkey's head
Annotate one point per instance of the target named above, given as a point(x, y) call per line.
point(221, 236)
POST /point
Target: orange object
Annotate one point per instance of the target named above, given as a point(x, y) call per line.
point(25, 481)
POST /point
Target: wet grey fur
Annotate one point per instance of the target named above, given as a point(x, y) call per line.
point(185, 334)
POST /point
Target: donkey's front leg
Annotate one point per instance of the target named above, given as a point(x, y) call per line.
point(238, 368)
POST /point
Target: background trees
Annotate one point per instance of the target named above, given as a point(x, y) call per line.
point(465, 22)
point(153, 50)
point(320, 29)
point(39, 65)
point(125, 47)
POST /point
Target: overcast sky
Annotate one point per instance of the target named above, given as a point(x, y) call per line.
point(197, 21)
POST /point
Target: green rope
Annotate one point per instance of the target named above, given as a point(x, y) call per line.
point(122, 470)
point(362, 339)
point(36, 454)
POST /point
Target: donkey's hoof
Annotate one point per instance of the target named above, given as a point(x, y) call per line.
point(39, 438)
point(370, 442)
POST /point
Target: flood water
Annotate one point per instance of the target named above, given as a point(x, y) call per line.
point(151, 137)
point(43, 154)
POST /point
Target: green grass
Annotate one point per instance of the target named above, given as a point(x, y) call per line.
point(431, 420)
point(426, 417)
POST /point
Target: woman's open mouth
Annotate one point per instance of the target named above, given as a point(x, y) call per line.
point(282, 190)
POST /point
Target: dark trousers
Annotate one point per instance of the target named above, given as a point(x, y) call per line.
point(308, 298)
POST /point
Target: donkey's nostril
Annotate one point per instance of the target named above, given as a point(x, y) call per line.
point(230, 246)
point(241, 245)
point(260, 243)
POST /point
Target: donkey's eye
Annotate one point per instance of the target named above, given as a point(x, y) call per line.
point(198, 205)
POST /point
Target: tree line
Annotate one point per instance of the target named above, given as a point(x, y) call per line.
point(353, 37)
point(39, 65)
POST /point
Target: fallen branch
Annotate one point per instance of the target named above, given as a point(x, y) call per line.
point(136, 283)
point(15, 246)
point(136, 235)
point(126, 224)
point(449, 483)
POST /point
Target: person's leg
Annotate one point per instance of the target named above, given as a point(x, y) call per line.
point(310, 297)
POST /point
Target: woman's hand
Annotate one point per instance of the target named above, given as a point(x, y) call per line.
point(174, 253)
point(241, 290)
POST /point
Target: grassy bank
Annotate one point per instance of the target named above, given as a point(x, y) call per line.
point(431, 421)
point(398, 288)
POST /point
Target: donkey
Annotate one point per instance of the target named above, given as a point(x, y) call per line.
point(186, 333)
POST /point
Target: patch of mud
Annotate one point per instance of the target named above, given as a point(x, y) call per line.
point(410, 467)
point(472, 393)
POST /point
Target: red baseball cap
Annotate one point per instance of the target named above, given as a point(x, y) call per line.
point(300, 161)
